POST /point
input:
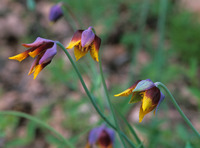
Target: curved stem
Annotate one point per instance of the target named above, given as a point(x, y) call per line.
point(38, 121)
point(109, 102)
point(159, 84)
point(90, 96)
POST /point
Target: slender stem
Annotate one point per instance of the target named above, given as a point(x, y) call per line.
point(132, 130)
point(91, 97)
point(38, 121)
point(109, 102)
point(159, 84)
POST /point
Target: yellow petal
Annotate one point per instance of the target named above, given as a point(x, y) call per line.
point(124, 93)
point(146, 103)
point(76, 39)
point(94, 53)
point(141, 114)
point(78, 54)
point(20, 57)
point(73, 43)
point(38, 68)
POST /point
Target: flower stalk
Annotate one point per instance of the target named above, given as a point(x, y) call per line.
point(109, 102)
point(159, 84)
point(91, 97)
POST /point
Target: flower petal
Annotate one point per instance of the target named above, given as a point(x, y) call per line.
point(34, 64)
point(136, 97)
point(48, 55)
point(94, 53)
point(146, 103)
point(128, 91)
point(41, 49)
point(143, 113)
point(21, 56)
point(37, 42)
point(162, 97)
point(79, 54)
point(76, 39)
point(39, 68)
point(55, 12)
point(144, 85)
point(87, 37)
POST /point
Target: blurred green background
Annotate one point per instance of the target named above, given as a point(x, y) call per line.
point(156, 39)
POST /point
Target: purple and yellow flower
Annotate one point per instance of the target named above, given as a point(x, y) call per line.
point(84, 41)
point(101, 137)
point(42, 50)
point(147, 92)
point(55, 12)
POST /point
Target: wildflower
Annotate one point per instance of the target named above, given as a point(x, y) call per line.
point(55, 12)
point(146, 92)
point(83, 41)
point(42, 50)
point(101, 137)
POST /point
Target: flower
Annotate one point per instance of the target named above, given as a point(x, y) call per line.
point(147, 92)
point(42, 50)
point(55, 12)
point(83, 41)
point(101, 137)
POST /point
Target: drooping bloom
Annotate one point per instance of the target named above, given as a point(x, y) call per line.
point(101, 137)
point(84, 41)
point(147, 92)
point(42, 50)
point(55, 12)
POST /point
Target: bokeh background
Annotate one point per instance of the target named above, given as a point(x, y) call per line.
point(156, 39)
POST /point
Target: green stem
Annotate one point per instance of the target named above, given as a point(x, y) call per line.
point(159, 84)
point(109, 102)
point(38, 121)
point(90, 96)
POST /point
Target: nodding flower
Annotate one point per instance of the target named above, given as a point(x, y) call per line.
point(148, 93)
point(84, 41)
point(56, 12)
point(42, 50)
point(101, 137)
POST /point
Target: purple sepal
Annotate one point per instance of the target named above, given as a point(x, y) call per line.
point(48, 55)
point(87, 37)
point(144, 85)
point(162, 97)
point(55, 12)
